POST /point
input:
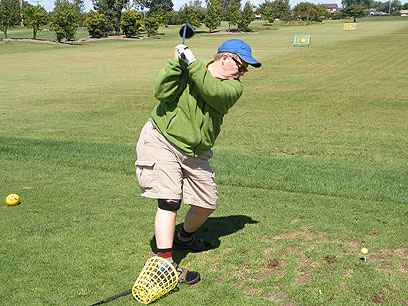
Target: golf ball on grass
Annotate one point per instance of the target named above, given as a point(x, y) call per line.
point(364, 251)
point(12, 199)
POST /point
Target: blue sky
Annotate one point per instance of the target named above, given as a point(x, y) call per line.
point(49, 4)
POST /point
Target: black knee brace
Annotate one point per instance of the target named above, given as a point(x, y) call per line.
point(169, 204)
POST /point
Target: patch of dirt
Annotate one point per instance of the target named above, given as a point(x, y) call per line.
point(381, 255)
point(349, 273)
point(304, 278)
point(275, 296)
point(405, 267)
point(270, 268)
point(292, 250)
point(305, 261)
point(41, 41)
point(330, 259)
point(268, 252)
point(229, 33)
point(216, 267)
point(294, 221)
point(252, 292)
point(378, 298)
point(3, 41)
point(192, 287)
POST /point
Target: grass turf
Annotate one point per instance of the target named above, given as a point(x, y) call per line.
point(311, 166)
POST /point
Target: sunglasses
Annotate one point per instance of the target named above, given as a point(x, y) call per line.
point(241, 68)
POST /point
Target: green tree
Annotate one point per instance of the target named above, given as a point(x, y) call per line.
point(213, 15)
point(281, 9)
point(191, 15)
point(9, 15)
point(365, 3)
point(224, 4)
point(158, 5)
point(354, 11)
point(131, 23)
point(151, 25)
point(245, 18)
point(96, 24)
point(112, 9)
point(232, 14)
point(309, 11)
point(64, 19)
point(266, 11)
point(35, 17)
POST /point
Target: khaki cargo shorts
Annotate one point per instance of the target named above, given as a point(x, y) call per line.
point(164, 172)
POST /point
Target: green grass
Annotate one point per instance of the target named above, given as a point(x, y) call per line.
point(311, 166)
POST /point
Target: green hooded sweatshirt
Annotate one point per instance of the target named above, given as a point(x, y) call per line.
point(192, 105)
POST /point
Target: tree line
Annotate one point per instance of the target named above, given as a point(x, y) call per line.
point(131, 17)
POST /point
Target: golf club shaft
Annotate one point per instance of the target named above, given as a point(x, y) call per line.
point(113, 297)
point(184, 33)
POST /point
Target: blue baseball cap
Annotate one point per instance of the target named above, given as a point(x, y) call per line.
point(240, 48)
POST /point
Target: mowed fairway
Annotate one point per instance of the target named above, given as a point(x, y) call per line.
point(311, 165)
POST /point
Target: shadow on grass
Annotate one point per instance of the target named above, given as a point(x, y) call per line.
point(211, 231)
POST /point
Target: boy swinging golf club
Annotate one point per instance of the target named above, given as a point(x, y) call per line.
point(175, 144)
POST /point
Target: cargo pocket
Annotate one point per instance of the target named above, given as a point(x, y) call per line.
point(144, 173)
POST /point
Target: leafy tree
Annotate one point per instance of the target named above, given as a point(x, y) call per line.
point(131, 23)
point(232, 13)
point(96, 24)
point(309, 11)
point(225, 4)
point(35, 17)
point(278, 9)
point(151, 25)
point(157, 5)
point(64, 19)
point(246, 16)
point(9, 15)
point(266, 11)
point(112, 9)
point(365, 3)
point(281, 9)
point(213, 15)
point(354, 11)
point(192, 15)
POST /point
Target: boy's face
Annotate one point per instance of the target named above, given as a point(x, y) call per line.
point(233, 66)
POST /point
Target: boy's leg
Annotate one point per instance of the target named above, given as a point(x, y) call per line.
point(195, 217)
point(164, 226)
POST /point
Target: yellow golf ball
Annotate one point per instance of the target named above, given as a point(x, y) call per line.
point(303, 40)
point(364, 251)
point(12, 199)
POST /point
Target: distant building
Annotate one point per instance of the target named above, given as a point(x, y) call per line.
point(374, 12)
point(404, 12)
point(333, 8)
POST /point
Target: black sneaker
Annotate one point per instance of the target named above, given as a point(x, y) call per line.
point(195, 244)
point(186, 276)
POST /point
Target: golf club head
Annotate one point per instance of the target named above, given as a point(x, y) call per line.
point(186, 31)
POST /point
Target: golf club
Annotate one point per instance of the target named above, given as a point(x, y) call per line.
point(186, 31)
point(113, 297)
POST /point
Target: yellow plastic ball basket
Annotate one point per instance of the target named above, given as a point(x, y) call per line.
point(157, 278)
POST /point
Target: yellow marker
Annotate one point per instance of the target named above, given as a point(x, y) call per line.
point(12, 199)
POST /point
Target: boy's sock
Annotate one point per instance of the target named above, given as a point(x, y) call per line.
point(184, 236)
point(166, 254)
